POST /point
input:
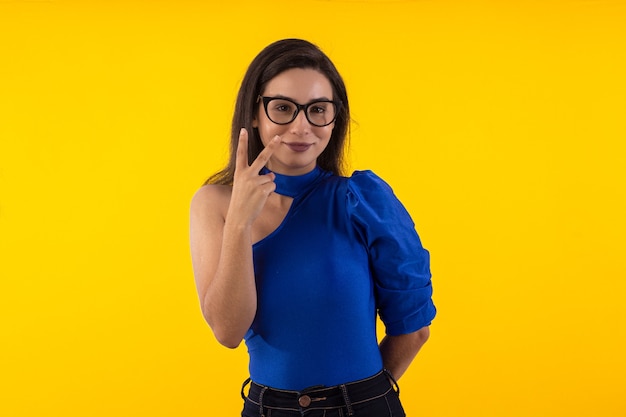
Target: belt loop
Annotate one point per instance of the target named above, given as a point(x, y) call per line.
point(246, 382)
point(261, 401)
point(395, 383)
point(344, 391)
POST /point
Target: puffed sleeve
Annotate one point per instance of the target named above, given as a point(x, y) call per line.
point(400, 265)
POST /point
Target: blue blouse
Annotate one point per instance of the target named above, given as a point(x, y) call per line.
point(346, 250)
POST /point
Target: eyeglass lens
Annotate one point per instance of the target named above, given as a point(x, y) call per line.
point(283, 111)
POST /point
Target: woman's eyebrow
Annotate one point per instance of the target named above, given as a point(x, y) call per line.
point(313, 100)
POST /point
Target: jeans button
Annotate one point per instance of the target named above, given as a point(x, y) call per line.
point(304, 401)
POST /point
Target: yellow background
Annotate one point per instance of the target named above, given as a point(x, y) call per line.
point(499, 124)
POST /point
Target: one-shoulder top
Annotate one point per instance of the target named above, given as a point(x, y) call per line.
point(346, 251)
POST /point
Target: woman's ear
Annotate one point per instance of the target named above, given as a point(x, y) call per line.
point(255, 123)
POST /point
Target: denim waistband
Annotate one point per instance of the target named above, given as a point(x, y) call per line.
point(320, 397)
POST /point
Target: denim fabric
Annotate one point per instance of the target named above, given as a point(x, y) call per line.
point(371, 397)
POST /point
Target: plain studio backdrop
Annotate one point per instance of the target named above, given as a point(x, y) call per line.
point(500, 125)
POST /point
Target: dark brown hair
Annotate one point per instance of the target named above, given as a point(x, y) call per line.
point(271, 61)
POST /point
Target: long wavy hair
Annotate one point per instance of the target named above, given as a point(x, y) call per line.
point(271, 61)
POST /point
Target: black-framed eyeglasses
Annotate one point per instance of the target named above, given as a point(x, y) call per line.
point(282, 111)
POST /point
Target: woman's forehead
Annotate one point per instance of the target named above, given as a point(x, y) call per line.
point(299, 84)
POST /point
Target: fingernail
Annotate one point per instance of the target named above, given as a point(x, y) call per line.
point(243, 129)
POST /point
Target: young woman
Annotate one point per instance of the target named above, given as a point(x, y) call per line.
point(297, 260)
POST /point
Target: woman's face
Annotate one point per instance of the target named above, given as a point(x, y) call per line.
point(301, 142)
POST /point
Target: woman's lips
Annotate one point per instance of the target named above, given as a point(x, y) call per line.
point(298, 146)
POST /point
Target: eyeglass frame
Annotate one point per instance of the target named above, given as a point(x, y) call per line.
point(299, 107)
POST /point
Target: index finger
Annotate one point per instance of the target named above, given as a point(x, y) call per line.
point(241, 158)
point(265, 154)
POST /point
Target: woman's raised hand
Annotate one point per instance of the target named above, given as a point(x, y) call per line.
point(250, 190)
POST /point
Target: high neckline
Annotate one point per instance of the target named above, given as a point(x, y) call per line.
point(293, 185)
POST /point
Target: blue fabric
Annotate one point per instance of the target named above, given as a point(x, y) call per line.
point(346, 249)
point(291, 186)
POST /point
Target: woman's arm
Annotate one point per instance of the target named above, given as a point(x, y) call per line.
point(399, 351)
point(222, 264)
point(221, 246)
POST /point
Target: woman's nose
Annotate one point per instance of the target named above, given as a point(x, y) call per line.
point(300, 124)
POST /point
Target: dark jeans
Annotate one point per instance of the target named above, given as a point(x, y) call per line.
point(376, 396)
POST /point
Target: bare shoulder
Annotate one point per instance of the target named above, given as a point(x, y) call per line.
point(210, 203)
point(211, 199)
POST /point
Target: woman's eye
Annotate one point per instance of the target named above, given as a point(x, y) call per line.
point(282, 107)
point(317, 109)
